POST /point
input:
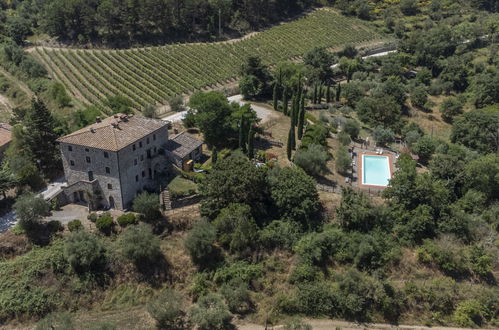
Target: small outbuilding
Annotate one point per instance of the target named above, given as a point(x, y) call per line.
point(183, 148)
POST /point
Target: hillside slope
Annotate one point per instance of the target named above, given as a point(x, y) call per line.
point(153, 75)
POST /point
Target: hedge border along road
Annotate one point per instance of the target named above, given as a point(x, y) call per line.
point(153, 75)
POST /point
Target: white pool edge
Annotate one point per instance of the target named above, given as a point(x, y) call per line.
point(364, 173)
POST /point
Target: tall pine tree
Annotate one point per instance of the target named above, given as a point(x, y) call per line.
point(40, 136)
point(328, 94)
point(338, 92)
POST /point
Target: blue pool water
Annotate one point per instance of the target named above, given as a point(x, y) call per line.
point(375, 170)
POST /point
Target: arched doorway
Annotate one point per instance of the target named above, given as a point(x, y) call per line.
point(111, 202)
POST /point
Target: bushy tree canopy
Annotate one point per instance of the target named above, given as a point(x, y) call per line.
point(477, 129)
point(84, 252)
point(234, 179)
point(295, 196)
point(140, 246)
point(211, 313)
point(312, 160)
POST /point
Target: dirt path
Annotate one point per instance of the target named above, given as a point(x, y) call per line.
point(343, 325)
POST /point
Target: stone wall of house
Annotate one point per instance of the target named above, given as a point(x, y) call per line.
point(77, 168)
point(88, 188)
point(131, 170)
point(140, 162)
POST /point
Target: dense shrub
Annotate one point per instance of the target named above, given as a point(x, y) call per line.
point(75, 225)
point(312, 160)
point(305, 273)
point(177, 103)
point(105, 224)
point(236, 228)
point(30, 209)
point(352, 128)
point(168, 310)
point(92, 217)
point(469, 313)
point(126, 219)
point(280, 234)
point(424, 148)
point(56, 321)
point(211, 312)
point(140, 246)
point(317, 299)
point(241, 270)
point(450, 108)
point(237, 296)
point(314, 134)
point(147, 205)
point(344, 138)
point(84, 252)
point(199, 243)
point(343, 161)
point(355, 211)
point(383, 136)
point(445, 259)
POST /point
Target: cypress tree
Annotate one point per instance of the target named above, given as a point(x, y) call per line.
point(242, 134)
point(251, 147)
point(285, 101)
point(301, 118)
point(276, 96)
point(214, 156)
point(289, 147)
point(321, 91)
point(293, 139)
point(296, 109)
point(328, 94)
point(338, 92)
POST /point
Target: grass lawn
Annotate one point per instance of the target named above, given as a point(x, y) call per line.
point(180, 187)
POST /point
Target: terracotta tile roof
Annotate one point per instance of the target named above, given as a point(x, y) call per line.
point(5, 134)
point(183, 144)
point(113, 133)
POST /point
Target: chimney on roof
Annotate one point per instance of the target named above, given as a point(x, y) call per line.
point(92, 130)
point(98, 119)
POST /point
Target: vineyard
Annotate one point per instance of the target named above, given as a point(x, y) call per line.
point(152, 76)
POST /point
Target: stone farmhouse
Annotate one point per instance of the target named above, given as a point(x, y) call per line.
point(109, 162)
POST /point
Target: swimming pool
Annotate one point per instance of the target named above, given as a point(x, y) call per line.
point(375, 170)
